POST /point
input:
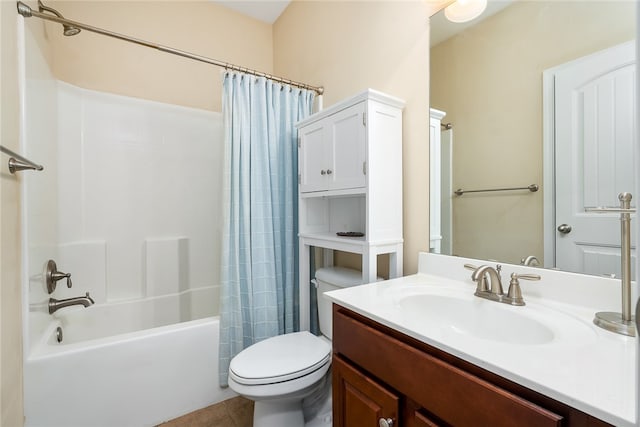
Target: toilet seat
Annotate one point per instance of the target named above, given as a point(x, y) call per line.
point(280, 359)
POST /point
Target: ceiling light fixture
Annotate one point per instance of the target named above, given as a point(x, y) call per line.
point(464, 10)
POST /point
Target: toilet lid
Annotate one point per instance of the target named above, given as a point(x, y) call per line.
point(280, 358)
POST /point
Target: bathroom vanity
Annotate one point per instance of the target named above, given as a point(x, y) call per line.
point(389, 375)
point(423, 351)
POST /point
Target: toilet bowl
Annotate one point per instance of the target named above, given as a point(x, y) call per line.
point(278, 373)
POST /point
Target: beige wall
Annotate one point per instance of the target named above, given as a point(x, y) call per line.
point(11, 413)
point(488, 79)
point(202, 27)
point(348, 47)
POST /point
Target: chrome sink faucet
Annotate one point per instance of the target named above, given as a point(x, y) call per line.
point(55, 305)
point(479, 276)
point(530, 260)
point(494, 291)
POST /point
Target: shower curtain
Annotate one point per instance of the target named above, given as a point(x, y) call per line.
point(259, 271)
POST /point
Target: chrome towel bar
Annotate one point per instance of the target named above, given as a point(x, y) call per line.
point(18, 163)
point(533, 188)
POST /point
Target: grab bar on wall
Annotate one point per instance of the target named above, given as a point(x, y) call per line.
point(18, 163)
point(533, 188)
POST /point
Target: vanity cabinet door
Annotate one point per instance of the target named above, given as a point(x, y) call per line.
point(359, 401)
point(312, 158)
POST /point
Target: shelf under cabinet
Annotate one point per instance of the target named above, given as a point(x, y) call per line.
point(358, 245)
point(361, 191)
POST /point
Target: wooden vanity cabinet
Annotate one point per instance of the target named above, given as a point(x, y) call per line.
point(381, 373)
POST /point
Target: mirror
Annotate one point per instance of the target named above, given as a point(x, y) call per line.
point(497, 80)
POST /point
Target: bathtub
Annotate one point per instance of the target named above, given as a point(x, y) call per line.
point(134, 378)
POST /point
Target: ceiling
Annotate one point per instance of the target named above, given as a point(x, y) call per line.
point(442, 29)
point(264, 10)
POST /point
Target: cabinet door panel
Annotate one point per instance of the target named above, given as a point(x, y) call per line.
point(348, 149)
point(358, 401)
point(312, 158)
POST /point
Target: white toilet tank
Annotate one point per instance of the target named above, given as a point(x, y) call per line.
point(331, 279)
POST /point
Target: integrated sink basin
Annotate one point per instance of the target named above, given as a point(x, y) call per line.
point(477, 318)
point(450, 313)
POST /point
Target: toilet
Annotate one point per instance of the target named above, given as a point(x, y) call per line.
point(278, 373)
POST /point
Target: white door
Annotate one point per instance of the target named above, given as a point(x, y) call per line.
point(595, 157)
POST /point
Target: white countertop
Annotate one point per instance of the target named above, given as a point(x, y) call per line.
point(584, 366)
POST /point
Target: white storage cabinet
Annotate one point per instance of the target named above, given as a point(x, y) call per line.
point(350, 176)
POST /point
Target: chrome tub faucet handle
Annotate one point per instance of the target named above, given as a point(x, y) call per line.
point(52, 275)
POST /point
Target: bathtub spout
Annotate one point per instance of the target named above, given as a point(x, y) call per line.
point(55, 305)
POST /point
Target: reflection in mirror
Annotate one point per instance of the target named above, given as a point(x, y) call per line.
point(536, 92)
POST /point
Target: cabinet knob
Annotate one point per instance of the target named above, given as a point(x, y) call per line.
point(329, 171)
point(385, 422)
point(323, 172)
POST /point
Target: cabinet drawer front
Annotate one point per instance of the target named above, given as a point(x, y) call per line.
point(454, 396)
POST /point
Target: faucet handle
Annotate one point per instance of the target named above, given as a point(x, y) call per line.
point(517, 276)
point(514, 295)
point(59, 275)
point(52, 275)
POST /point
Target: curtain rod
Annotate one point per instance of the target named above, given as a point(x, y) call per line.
point(27, 12)
point(18, 163)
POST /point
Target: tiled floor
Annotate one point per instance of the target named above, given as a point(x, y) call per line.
point(235, 412)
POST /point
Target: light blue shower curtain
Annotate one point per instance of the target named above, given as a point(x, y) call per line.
point(259, 271)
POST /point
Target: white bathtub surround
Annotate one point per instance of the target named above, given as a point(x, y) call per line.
point(166, 266)
point(580, 364)
point(122, 180)
point(135, 196)
point(136, 379)
point(145, 177)
point(128, 203)
point(111, 319)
